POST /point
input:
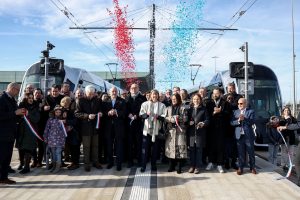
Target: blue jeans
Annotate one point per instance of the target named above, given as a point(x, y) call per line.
point(273, 150)
point(56, 154)
point(196, 156)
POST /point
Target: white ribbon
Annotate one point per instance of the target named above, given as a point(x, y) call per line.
point(289, 155)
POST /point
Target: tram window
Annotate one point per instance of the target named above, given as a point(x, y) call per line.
point(72, 85)
point(264, 102)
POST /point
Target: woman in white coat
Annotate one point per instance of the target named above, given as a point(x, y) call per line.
point(152, 112)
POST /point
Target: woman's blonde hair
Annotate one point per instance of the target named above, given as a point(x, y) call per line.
point(65, 101)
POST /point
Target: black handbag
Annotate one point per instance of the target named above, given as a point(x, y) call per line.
point(162, 132)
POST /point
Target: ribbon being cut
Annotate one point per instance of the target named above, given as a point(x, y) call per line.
point(31, 128)
point(63, 127)
point(98, 121)
point(177, 123)
point(289, 155)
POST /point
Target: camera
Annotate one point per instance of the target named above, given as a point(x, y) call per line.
point(49, 46)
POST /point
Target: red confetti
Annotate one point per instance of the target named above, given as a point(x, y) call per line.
point(124, 43)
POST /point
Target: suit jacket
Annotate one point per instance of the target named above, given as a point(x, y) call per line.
point(8, 118)
point(84, 107)
point(245, 125)
point(134, 105)
point(115, 121)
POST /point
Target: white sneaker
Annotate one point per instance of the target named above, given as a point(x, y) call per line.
point(220, 169)
point(209, 166)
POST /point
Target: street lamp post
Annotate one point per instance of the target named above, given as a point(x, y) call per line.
point(46, 60)
point(215, 57)
point(244, 49)
point(193, 76)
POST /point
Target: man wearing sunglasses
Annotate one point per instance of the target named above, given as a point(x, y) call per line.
point(242, 120)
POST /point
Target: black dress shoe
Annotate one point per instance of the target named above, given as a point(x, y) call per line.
point(97, 165)
point(10, 170)
point(143, 169)
point(171, 169)
point(119, 168)
point(25, 171)
point(87, 168)
point(153, 168)
point(20, 167)
point(109, 166)
point(7, 181)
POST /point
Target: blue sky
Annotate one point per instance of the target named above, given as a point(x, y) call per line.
point(26, 25)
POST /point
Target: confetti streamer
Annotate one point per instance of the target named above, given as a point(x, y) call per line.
point(124, 43)
point(179, 50)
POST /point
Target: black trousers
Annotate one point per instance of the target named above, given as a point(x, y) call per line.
point(75, 153)
point(38, 155)
point(6, 150)
point(149, 146)
point(114, 141)
point(135, 138)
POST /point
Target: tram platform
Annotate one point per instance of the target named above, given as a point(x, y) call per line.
point(108, 184)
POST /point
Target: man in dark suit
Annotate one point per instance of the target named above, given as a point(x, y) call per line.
point(135, 136)
point(242, 120)
point(115, 111)
point(8, 120)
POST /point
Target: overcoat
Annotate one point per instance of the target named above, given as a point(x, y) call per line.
point(176, 139)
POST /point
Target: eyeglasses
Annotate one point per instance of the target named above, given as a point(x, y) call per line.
point(240, 103)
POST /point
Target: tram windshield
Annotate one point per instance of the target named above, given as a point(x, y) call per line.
point(38, 81)
point(266, 99)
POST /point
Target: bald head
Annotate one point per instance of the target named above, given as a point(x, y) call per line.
point(242, 103)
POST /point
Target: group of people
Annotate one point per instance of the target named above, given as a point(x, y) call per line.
point(134, 127)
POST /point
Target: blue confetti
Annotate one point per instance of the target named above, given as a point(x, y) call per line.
point(179, 50)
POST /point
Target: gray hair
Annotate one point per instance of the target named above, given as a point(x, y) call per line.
point(90, 89)
point(13, 85)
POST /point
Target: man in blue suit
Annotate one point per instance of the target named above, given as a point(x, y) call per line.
point(243, 119)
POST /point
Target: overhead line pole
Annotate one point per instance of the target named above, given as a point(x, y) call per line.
point(294, 64)
point(151, 56)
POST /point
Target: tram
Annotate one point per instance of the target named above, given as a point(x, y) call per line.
point(59, 73)
point(263, 90)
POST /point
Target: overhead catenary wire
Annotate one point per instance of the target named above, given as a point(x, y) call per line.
point(107, 18)
point(217, 36)
point(67, 13)
point(230, 24)
point(170, 12)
